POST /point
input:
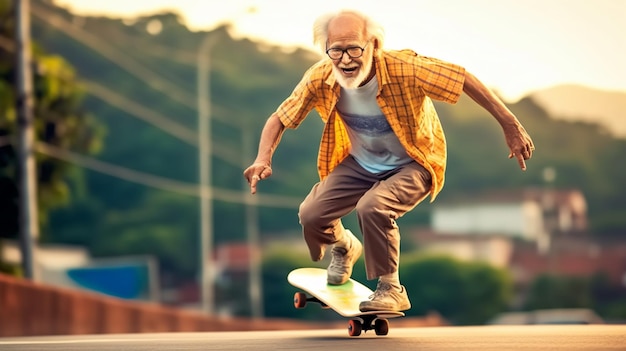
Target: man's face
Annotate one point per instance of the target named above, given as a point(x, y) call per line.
point(348, 32)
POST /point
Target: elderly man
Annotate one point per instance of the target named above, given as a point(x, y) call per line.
point(382, 151)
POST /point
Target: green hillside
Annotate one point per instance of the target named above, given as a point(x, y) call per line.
point(142, 87)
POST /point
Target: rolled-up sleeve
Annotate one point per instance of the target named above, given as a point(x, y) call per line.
point(442, 81)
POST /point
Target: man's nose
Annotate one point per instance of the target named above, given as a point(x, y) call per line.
point(345, 58)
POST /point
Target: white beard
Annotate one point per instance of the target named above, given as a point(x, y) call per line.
point(354, 82)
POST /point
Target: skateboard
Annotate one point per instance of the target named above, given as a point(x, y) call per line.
point(343, 299)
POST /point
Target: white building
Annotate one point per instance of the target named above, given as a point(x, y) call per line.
point(526, 214)
point(484, 226)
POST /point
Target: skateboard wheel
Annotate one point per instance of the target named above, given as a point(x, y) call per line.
point(381, 327)
point(355, 327)
point(299, 300)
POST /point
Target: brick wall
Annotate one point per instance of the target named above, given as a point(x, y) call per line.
point(28, 308)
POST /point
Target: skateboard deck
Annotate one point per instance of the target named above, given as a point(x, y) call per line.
point(343, 299)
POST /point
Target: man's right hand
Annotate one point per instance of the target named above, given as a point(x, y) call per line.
point(256, 172)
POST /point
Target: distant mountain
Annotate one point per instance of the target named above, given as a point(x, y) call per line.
point(579, 103)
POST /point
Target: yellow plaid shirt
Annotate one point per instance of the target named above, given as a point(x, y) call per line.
point(407, 83)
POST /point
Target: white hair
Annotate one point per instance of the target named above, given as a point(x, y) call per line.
point(373, 29)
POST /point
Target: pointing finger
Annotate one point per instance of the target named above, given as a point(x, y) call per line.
point(520, 160)
point(253, 182)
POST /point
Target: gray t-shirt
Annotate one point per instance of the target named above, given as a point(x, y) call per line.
point(374, 145)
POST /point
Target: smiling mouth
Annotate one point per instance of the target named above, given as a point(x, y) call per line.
point(349, 70)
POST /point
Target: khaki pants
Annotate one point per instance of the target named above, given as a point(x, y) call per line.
point(379, 199)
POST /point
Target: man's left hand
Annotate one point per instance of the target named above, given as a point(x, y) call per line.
point(520, 144)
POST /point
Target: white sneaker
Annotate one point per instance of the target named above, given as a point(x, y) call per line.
point(343, 259)
point(387, 298)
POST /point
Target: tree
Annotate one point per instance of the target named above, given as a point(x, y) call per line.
point(609, 299)
point(462, 292)
point(59, 122)
point(596, 292)
point(550, 291)
point(488, 291)
point(137, 231)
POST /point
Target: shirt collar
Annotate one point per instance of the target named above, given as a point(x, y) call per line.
point(381, 71)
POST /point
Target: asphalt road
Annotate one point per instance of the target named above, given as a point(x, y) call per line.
point(483, 338)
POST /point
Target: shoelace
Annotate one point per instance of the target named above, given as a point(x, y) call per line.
point(338, 261)
point(381, 289)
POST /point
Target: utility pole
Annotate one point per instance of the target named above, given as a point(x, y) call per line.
point(28, 220)
point(205, 154)
point(207, 271)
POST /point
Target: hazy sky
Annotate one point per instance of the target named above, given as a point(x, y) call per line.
point(514, 46)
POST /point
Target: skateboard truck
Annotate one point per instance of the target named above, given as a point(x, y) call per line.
point(368, 322)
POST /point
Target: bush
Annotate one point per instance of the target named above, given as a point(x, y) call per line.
point(462, 292)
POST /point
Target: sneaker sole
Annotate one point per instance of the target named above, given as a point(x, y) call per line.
point(370, 309)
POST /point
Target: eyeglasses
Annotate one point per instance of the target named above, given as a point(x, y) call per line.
point(352, 51)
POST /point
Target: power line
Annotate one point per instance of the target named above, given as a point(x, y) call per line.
point(164, 52)
point(145, 75)
point(167, 125)
point(141, 112)
point(127, 63)
point(107, 51)
point(166, 184)
point(149, 116)
point(156, 119)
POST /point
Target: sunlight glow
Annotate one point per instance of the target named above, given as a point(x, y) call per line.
point(514, 46)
